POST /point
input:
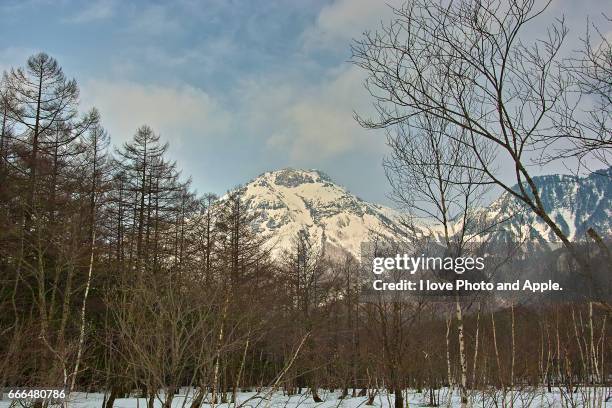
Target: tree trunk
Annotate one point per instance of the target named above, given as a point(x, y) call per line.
point(315, 393)
point(462, 358)
point(111, 398)
point(399, 398)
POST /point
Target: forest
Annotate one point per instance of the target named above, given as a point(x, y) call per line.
point(116, 277)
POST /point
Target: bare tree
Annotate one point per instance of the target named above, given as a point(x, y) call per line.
point(303, 271)
point(43, 99)
point(432, 175)
point(167, 331)
point(468, 64)
point(584, 119)
point(96, 155)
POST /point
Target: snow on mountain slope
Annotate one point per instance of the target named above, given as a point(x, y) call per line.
point(575, 203)
point(288, 200)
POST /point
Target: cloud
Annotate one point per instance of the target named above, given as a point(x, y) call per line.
point(18, 6)
point(94, 11)
point(309, 122)
point(13, 57)
point(177, 112)
point(341, 21)
point(156, 20)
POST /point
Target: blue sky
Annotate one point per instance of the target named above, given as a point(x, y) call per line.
point(236, 87)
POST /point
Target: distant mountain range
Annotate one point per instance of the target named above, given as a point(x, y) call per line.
point(575, 203)
point(287, 200)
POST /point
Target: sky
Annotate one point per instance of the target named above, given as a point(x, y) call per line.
point(236, 87)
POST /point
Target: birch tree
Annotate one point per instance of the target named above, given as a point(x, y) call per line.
point(432, 175)
point(471, 65)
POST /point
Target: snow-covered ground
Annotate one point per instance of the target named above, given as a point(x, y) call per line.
point(531, 398)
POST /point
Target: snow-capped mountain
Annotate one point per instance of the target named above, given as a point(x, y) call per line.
point(288, 200)
point(575, 203)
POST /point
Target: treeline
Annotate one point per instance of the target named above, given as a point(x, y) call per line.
point(116, 277)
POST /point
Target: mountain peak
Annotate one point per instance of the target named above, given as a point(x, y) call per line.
point(290, 177)
point(288, 200)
